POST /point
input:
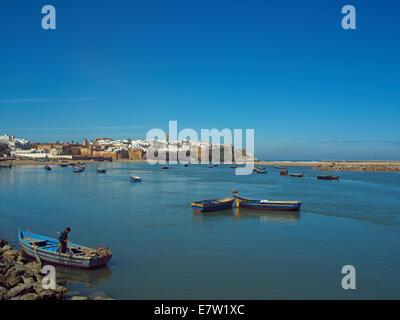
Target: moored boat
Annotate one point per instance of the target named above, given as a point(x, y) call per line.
point(101, 170)
point(257, 170)
point(78, 169)
point(164, 168)
point(77, 256)
point(63, 165)
point(48, 168)
point(135, 179)
point(299, 175)
point(328, 177)
point(284, 172)
point(280, 167)
point(266, 204)
point(212, 205)
point(234, 166)
point(9, 166)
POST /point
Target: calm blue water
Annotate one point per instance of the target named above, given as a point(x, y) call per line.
point(161, 249)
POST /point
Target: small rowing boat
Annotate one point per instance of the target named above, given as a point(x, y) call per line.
point(186, 165)
point(72, 164)
point(48, 168)
point(266, 204)
point(234, 166)
point(9, 166)
point(63, 165)
point(257, 170)
point(299, 175)
point(284, 172)
point(164, 168)
point(77, 256)
point(328, 177)
point(135, 179)
point(101, 170)
point(212, 205)
point(78, 169)
point(280, 167)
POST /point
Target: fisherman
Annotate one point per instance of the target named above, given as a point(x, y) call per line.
point(63, 238)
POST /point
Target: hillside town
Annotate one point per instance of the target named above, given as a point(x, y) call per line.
point(110, 149)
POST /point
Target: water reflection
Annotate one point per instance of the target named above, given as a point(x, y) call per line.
point(267, 215)
point(90, 278)
point(238, 213)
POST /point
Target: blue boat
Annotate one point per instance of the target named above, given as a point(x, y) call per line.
point(328, 177)
point(9, 166)
point(212, 205)
point(78, 169)
point(101, 170)
point(63, 165)
point(266, 204)
point(257, 170)
point(46, 249)
point(135, 179)
point(48, 168)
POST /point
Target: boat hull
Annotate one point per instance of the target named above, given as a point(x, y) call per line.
point(275, 205)
point(214, 205)
point(54, 257)
point(329, 177)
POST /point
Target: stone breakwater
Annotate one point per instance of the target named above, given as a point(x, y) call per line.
point(21, 279)
point(359, 167)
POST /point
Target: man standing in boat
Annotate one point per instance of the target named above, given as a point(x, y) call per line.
point(63, 238)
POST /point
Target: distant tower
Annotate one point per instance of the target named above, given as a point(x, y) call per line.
point(166, 137)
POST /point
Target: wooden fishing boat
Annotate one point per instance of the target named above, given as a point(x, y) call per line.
point(48, 168)
point(101, 170)
point(211, 166)
point(212, 205)
point(164, 168)
point(299, 175)
point(77, 256)
point(135, 179)
point(284, 172)
point(72, 164)
point(9, 166)
point(78, 169)
point(63, 165)
point(257, 170)
point(266, 204)
point(280, 167)
point(328, 177)
point(185, 165)
point(261, 168)
point(234, 166)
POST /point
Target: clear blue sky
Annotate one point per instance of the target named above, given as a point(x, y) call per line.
point(287, 69)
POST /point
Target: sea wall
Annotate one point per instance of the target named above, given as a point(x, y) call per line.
point(359, 167)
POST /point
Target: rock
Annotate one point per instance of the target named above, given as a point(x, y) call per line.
point(5, 248)
point(19, 290)
point(3, 243)
point(101, 298)
point(11, 255)
point(21, 259)
point(79, 298)
point(11, 279)
point(33, 268)
point(3, 293)
point(48, 295)
point(29, 296)
point(27, 280)
point(61, 291)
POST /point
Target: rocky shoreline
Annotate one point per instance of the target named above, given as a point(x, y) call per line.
point(358, 167)
point(21, 279)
